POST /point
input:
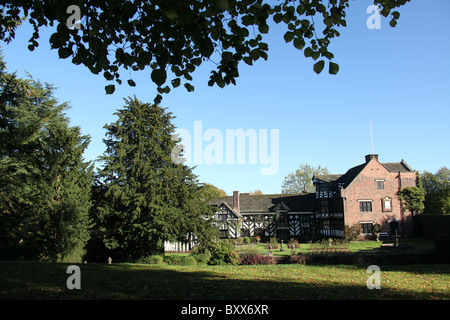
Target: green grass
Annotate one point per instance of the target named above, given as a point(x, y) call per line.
point(420, 245)
point(38, 280)
point(356, 246)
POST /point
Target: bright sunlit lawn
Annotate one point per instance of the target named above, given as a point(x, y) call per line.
point(37, 280)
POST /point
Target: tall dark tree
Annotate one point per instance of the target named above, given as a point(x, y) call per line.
point(45, 185)
point(149, 197)
point(172, 37)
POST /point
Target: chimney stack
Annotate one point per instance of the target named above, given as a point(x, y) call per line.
point(370, 157)
point(236, 203)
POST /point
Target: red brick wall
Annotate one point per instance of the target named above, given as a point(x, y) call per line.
point(364, 187)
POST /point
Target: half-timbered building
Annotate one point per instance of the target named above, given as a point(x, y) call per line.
point(365, 195)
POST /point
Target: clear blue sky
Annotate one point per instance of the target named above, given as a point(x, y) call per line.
point(398, 78)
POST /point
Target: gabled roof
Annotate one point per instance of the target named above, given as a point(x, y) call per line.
point(352, 173)
point(230, 207)
point(267, 203)
point(343, 179)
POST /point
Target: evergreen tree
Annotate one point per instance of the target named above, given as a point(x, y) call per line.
point(44, 190)
point(148, 197)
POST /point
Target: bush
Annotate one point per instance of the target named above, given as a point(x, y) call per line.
point(202, 258)
point(293, 244)
point(352, 233)
point(174, 259)
point(252, 259)
point(442, 244)
point(180, 260)
point(189, 261)
point(223, 252)
point(299, 259)
point(153, 259)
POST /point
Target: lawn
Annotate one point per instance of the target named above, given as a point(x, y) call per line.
point(420, 245)
point(38, 280)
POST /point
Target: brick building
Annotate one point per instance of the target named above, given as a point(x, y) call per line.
point(365, 195)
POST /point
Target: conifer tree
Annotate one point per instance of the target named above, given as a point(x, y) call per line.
point(149, 197)
point(44, 185)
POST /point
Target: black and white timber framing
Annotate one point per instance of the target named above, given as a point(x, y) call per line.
point(281, 216)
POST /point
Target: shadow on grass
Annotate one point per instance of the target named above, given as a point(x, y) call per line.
point(42, 281)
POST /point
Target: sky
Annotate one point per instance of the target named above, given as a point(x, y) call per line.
point(393, 80)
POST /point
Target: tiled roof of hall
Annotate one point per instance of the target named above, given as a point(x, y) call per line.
point(265, 203)
point(352, 173)
point(397, 166)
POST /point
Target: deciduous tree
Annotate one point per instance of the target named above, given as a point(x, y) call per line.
point(172, 37)
point(300, 181)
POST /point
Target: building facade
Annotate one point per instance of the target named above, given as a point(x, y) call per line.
point(366, 195)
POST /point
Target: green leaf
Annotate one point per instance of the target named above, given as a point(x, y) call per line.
point(108, 76)
point(277, 17)
point(176, 82)
point(315, 55)
point(131, 83)
point(264, 28)
point(318, 66)
point(253, 43)
point(189, 87)
point(288, 36)
point(248, 60)
point(110, 89)
point(308, 52)
point(64, 53)
point(393, 23)
point(159, 76)
point(333, 68)
point(299, 43)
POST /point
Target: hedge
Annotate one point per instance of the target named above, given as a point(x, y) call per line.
point(430, 225)
point(369, 259)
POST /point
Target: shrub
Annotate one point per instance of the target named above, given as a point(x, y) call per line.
point(202, 258)
point(189, 261)
point(175, 259)
point(299, 259)
point(252, 259)
point(352, 233)
point(442, 244)
point(293, 244)
point(223, 252)
point(153, 259)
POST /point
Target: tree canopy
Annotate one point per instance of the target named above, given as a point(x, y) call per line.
point(173, 37)
point(300, 181)
point(437, 187)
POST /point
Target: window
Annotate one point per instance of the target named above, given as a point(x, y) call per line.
point(380, 184)
point(366, 227)
point(324, 206)
point(365, 205)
